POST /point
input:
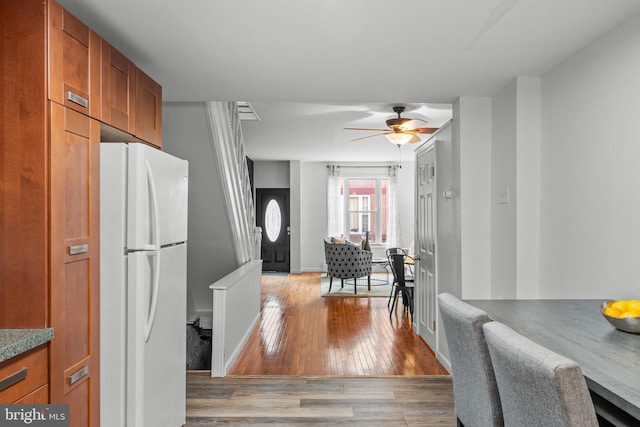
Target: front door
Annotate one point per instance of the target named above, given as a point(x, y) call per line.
point(425, 299)
point(272, 208)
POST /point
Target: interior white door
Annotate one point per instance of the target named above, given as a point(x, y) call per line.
point(156, 361)
point(425, 298)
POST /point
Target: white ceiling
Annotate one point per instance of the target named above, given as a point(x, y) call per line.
point(312, 68)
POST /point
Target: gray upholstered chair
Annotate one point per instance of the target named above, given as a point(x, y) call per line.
point(537, 386)
point(475, 392)
point(347, 261)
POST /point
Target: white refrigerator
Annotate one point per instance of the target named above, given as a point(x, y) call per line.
point(143, 279)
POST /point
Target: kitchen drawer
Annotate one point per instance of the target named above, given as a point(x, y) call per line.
point(30, 371)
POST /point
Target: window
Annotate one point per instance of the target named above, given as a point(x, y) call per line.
point(366, 208)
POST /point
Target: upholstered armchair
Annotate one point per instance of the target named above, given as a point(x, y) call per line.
point(347, 261)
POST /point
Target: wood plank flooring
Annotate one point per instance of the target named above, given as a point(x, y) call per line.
point(325, 361)
point(302, 333)
point(312, 401)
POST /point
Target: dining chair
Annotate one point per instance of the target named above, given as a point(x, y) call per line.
point(401, 286)
point(475, 392)
point(407, 278)
point(537, 386)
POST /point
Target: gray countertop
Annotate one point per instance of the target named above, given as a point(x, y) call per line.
point(609, 358)
point(14, 342)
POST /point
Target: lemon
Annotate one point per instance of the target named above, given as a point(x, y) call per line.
point(620, 305)
point(629, 314)
point(633, 305)
point(612, 311)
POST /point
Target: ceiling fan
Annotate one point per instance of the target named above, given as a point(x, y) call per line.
point(400, 129)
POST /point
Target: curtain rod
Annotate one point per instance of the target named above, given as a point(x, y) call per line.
point(365, 166)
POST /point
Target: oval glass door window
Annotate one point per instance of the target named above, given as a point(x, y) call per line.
point(272, 220)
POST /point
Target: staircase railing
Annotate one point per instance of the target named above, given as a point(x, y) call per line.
point(226, 136)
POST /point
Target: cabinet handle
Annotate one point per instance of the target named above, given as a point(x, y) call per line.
point(13, 378)
point(78, 249)
point(77, 99)
point(78, 374)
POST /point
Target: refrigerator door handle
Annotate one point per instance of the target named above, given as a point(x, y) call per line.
point(154, 220)
point(153, 306)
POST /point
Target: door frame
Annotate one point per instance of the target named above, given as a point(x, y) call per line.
point(286, 224)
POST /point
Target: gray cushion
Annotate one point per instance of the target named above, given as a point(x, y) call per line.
point(537, 386)
point(475, 392)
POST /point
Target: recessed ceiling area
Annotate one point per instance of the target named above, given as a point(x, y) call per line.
point(312, 68)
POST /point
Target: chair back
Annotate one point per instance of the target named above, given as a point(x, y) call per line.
point(475, 392)
point(396, 261)
point(347, 261)
point(537, 386)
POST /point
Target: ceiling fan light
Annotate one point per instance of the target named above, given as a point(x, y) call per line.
point(399, 138)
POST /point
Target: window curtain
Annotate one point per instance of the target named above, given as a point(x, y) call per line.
point(335, 202)
point(394, 238)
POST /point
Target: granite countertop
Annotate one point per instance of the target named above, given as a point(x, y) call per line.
point(14, 342)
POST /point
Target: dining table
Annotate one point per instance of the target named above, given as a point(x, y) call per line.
point(609, 358)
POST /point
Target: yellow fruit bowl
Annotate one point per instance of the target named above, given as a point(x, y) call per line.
point(622, 314)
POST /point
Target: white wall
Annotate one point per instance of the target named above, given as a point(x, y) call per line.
point(504, 194)
point(515, 186)
point(209, 254)
point(472, 144)
point(271, 174)
point(590, 203)
point(295, 220)
point(313, 215)
point(406, 202)
point(528, 187)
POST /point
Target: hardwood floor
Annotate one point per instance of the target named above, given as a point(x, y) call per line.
point(325, 361)
point(302, 333)
point(312, 401)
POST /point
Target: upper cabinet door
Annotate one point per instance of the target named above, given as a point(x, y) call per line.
point(74, 62)
point(118, 89)
point(148, 109)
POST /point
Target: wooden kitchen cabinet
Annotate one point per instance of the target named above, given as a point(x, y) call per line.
point(57, 73)
point(118, 89)
point(148, 109)
point(74, 62)
point(75, 263)
point(49, 192)
point(27, 375)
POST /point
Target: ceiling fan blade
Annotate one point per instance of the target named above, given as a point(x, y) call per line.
point(423, 130)
point(411, 124)
point(369, 136)
point(414, 139)
point(382, 130)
